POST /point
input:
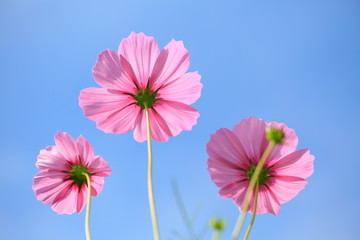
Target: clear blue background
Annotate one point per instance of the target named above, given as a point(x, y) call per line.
point(296, 62)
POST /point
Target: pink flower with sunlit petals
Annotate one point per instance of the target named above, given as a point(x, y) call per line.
point(141, 76)
point(60, 181)
point(234, 154)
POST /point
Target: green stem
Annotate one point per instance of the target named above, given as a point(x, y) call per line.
point(255, 176)
point(216, 235)
point(88, 205)
point(150, 183)
point(254, 212)
point(253, 180)
point(238, 226)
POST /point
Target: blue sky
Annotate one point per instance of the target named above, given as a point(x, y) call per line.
point(288, 61)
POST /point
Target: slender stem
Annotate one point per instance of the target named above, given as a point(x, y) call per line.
point(87, 216)
point(182, 209)
point(253, 180)
point(150, 183)
point(216, 235)
point(254, 211)
point(238, 226)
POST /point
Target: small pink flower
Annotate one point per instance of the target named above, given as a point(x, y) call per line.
point(234, 154)
point(139, 76)
point(60, 181)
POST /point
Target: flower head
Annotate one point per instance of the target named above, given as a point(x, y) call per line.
point(140, 76)
point(61, 180)
point(234, 155)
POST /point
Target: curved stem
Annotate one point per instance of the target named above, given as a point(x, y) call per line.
point(254, 212)
point(88, 205)
point(253, 180)
point(150, 183)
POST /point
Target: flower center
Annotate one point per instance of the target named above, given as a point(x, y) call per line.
point(263, 176)
point(145, 98)
point(77, 174)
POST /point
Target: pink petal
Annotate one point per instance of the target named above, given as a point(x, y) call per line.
point(141, 52)
point(267, 202)
point(234, 189)
point(99, 167)
point(177, 116)
point(121, 121)
point(61, 194)
point(81, 198)
point(289, 145)
point(47, 185)
point(109, 73)
point(48, 195)
point(172, 63)
point(168, 119)
point(45, 178)
point(240, 196)
point(285, 188)
point(66, 145)
point(97, 184)
point(223, 174)
point(51, 159)
point(98, 103)
point(66, 201)
point(86, 151)
point(225, 147)
point(159, 127)
point(129, 71)
point(251, 133)
point(297, 164)
point(113, 111)
point(140, 131)
point(186, 89)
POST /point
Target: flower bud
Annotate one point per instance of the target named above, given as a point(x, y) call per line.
point(217, 224)
point(275, 135)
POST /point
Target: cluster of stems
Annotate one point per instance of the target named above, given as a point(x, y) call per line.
point(253, 185)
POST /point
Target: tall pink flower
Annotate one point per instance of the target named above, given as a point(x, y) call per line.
point(234, 154)
point(60, 181)
point(141, 76)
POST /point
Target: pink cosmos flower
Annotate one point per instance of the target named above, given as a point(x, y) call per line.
point(141, 76)
point(60, 181)
point(234, 154)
